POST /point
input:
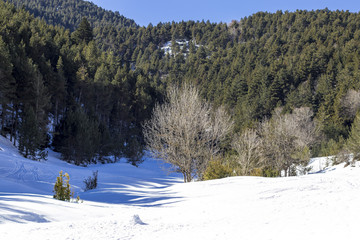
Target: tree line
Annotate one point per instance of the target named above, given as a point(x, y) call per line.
point(68, 13)
point(58, 88)
point(195, 137)
point(263, 61)
point(198, 140)
point(108, 77)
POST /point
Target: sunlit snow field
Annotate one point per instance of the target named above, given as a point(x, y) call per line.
point(147, 203)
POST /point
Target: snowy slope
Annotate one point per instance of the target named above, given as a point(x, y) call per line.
point(146, 203)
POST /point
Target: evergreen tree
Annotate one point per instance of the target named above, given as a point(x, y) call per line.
point(353, 142)
point(105, 144)
point(68, 13)
point(62, 190)
point(78, 137)
point(116, 71)
point(84, 32)
point(58, 96)
point(7, 87)
point(30, 136)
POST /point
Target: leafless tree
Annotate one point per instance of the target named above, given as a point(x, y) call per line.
point(287, 138)
point(186, 132)
point(350, 104)
point(248, 148)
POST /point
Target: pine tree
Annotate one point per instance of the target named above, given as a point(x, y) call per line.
point(105, 144)
point(78, 137)
point(28, 133)
point(353, 142)
point(59, 91)
point(84, 32)
point(7, 85)
point(62, 190)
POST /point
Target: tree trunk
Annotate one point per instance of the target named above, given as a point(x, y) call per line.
point(14, 127)
point(2, 124)
point(187, 177)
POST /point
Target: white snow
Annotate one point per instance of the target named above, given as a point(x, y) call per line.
point(146, 203)
point(167, 47)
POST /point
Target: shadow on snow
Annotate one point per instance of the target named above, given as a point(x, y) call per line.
point(144, 193)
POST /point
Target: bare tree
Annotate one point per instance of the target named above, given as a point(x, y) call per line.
point(350, 104)
point(186, 132)
point(303, 127)
point(247, 145)
point(287, 138)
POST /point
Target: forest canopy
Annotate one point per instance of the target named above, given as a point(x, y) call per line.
point(111, 81)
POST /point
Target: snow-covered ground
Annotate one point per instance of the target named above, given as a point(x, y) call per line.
point(146, 203)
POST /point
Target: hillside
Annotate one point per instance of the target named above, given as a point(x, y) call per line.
point(86, 91)
point(52, 79)
point(291, 59)
point(138, 203)
point(77, 84)
point(68, 13)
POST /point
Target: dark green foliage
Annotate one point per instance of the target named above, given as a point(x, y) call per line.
point(62, 189)
point(28, 132)
point(83, 32)
point(31, 137)
point(92, 98)
point(91, 182)
point(216, 170)
point(68, 13)
point(264, 172)
point(78, 138)
point(113, 71)
point(329, 148)
point(134, 150)
point(7, 86)
point(269, 172)
point(353, 142)
point(105, 144)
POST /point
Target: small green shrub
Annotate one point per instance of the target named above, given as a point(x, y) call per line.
point(62, 188)
point(257, 172)
point(91, 182)
point(331, 148)
point(264, 172)
point(217, 170)
point(270, 172)
point(77, 200)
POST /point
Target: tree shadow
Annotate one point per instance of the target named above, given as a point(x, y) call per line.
point(155, 192)
point(19, 216)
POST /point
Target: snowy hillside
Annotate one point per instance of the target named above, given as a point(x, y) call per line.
point(146, 203)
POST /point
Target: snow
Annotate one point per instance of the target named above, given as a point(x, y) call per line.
point(147, 203)
point(167, 47)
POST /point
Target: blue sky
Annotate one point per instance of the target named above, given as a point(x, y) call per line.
point(155, 11)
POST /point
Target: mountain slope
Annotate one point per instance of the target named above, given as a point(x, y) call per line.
point(47, 75)
point(68, 13)
point(252, 66)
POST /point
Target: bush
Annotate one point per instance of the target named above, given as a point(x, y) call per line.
point(256, 172)
point(270, 172)
point(331, 147)
point(264, 172)
point(91, 182)
point(62, 189)
point(216, 170)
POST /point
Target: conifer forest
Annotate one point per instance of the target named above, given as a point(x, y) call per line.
point(85, 81)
